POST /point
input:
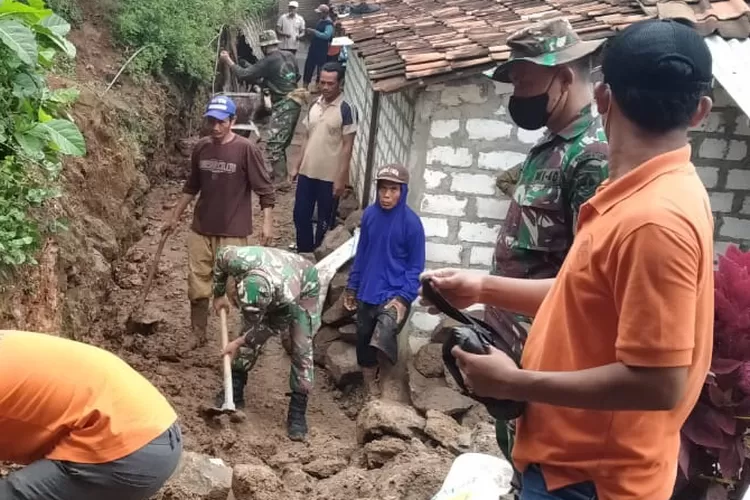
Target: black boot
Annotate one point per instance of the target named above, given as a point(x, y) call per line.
point(239, 380)
point(296, 424)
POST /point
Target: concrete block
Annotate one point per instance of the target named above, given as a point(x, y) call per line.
point(709, 176)
point(433, 178)
point(473, 183)
point(444, 204)
point(481, 256)
point(488, 130)
point(721, 98)
point(435, 227)
point(443, 253)
point(721, 202)
point(492, 208)
point(735, 228)
point(530, 136)
point(478, 232)
point(455, 96)
point(453, 157)
point(720, 248)
point(500, 160)
point(442, 129)
point(737, 150)
point(714, 149)
point(738, 178)
point(503, 88)
point(742, 126)
point(745, 210)
point(714, 122)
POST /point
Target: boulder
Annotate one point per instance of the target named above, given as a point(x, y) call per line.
point(443, 430)
point(341, 362)
point(382, 418)
point(434, 394)
point(484, 440)
point(337, 314)
point(441, 332)
point(348, 333)
point(476, 415)
point(295, 479)
point(380, 451)
point(322, 341)
point(348, 484)
point(415, 474)
point(331, 241)
point(198, 477)
point(325, 467)
point(449, 380)
point(256, 482)
point(338, 284)
point(348, 204)
point(354, 220)
point(429, 360)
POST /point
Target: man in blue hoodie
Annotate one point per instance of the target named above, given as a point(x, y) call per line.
point(321, 37)
point(384, 279)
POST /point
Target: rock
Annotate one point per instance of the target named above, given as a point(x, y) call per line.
point(256, 482)
point(382, 418)
point(331, 241)
point(429, 360)
point(325, 467)
point(444, 430)
point(198, 477)
point(380, 451)
point(434, 394)
point(295, 479)
point(441, 332)
point(322, 341)
point(99, 265)
point(136, 254)
point(347, 205)
point(338, 284)
point(484, 439)
point(348, 333)
point(102, 237)
point(337, 314)
point(144, 322)
point(341, 362)
point(415, 474)
point(348, 484)
point(449, 380)
point(476, 415)
point(354, 220)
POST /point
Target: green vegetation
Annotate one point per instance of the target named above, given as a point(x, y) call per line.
point(179, 35)
point(35, 132)
point(68, 10)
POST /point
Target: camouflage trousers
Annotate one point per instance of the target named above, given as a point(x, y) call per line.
point(299, 324)
point(279, 135)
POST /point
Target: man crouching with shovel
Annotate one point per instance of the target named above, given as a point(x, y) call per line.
point(276, 289)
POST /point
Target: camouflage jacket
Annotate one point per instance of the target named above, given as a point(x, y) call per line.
point(278, 71)
point(294, 279)
point(561, 172)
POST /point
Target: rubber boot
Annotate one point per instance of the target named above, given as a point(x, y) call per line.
point(296, 423)
point(239, 381)
point(372, 384)
point(199, 322)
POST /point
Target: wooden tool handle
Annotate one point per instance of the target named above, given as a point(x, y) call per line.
point(152, 270)
point(228, 391)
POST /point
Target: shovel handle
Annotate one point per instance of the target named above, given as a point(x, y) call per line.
point(227, 361)
point(152, 270)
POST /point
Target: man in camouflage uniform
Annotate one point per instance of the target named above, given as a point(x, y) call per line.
point(550, 69)
point(279, 74)
point(276, 290)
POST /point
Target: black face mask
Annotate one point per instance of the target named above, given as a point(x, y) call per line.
point(529, 113)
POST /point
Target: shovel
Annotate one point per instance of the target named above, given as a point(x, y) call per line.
point(137, 322)
point(228, 406)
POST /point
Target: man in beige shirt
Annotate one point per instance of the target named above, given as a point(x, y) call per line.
point(290, 27)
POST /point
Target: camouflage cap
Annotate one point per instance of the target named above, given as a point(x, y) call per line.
point(552, 42)
point(255, 293)
point(268, 37)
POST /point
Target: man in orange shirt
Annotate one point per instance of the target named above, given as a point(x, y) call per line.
point(621, 341)
point(86, 425)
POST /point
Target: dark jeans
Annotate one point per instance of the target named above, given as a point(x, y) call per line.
point(534, 488)
point(311, 192)
point(313, 64)
point(377, 330)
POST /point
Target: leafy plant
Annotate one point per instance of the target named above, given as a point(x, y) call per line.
point(714, 445)
point(179, 35)
point(35, 132)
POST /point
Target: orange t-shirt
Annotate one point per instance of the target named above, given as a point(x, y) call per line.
point(636, 287)
point(64, 400)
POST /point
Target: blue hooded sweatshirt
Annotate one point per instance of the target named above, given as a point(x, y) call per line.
point(390, 254)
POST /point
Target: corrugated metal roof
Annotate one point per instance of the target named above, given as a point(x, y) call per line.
point(731, 60)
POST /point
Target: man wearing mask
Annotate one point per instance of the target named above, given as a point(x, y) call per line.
point(549, 69)
point(279, 72)
point(317, 55)
point(290, 27)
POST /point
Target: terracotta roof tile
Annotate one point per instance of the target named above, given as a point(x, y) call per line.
point(416, 42)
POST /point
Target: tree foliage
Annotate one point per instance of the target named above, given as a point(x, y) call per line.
point(179, 35)
point(35, 132)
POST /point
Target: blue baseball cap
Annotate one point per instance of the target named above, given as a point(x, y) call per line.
point(221, 107)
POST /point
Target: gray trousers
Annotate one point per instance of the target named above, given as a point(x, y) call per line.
point(137, 476)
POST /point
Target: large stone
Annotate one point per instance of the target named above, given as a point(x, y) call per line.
point(476, 415)
point(322, 341)
point(325, 467)
point(337, 314)
point(348, 333)
point(484, 439)
point(429, 360)
point(295, 479)
point(444, 430)
point(256, 482)
point(198, 477)
point(341, 362)
point(381, 451)
point(331, 241)
point(347, 205)
point(354, 220)
point(382, 418)
point(441, 332)
point(338, 284)
point(348, 484)
point(450, 380)
point(415, 474)
point(434, 394)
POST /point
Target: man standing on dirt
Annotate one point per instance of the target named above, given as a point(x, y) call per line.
point(83, 422)
point(279, 74)
point(323, 167)
point(276, 290)
point(225, 169)
point(550, 68)
point(290, 27)
point(317, 54)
